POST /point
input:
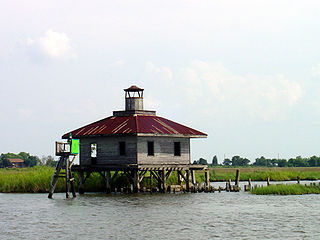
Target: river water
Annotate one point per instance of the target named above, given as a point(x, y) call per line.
point(160, 216)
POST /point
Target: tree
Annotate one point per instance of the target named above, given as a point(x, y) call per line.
point(4, 162)
point(260, 162)
point(282, 163)
point(32, 161)
point(239, 161)
point(215, 161)
point(24, 156)
point(227, 162)
point(202, 161)
point(48, 161)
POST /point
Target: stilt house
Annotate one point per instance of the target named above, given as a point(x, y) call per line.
point(135, 141)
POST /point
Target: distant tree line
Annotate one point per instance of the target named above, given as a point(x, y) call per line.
point(299, 161)
point(29, 160)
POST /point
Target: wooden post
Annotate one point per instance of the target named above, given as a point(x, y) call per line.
point(81, 182)
point(188, 180)
point(249, 181)
point(71, 179)
point(136, 181)
point(207, 178)
point(179, 178)
point(150, 181)
point(237, 177)
point(193, 177)
point(108, 181)
point(164, 181)
point(268, 181)
point(298, 180)
point(229, 185)
point(67, 177)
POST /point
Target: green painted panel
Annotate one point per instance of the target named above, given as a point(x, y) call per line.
point(75, 146)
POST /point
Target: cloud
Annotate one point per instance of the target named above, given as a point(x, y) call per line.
point(213, 89)
point(53, 44)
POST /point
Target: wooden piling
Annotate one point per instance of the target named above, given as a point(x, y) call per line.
point(187, 180)
point(207, 178)
point(136, 181)
point(193, 177)
point(237, 177)
point(268, 181)
point(108, 181)
point(81, 182)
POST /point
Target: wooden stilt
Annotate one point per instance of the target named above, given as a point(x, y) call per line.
point(108, 181)
point(71, 180)
point(81, 182)
point(67, 178)
point(164, 181)
point(187, 180)
point(237, 180)
point(136, 181)
point(56, 176)
point(179, 178)
point(207, 178)
point(193, 177)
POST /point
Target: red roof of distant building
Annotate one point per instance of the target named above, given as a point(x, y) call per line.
point(134, 124)
point(15, 160)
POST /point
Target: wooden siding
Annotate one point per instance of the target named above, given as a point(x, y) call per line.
point(163, 150)
point(108, 150)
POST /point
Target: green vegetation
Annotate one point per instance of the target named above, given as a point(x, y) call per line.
point(261, 174)
point(282, 189)
point(37, 179)
point(29, 160)
point(237, 161)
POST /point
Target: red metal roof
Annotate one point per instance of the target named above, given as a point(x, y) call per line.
point(134, 124)
point(15, 160)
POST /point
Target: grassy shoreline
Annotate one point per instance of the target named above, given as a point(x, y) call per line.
point(37, 179)
point(261, 174)
point(283, 189)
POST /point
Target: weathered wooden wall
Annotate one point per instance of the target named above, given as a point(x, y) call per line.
point(108, 150)
point(163, 150)
point(136, 150)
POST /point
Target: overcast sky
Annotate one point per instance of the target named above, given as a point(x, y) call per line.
point(247, 73)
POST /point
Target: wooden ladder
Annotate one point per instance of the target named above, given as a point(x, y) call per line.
point(63, 163)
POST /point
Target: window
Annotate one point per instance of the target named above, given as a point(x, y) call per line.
point(93, 154)
point(177, 149)
point(122, 148)
point(150, 149)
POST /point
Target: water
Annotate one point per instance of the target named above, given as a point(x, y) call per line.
point(160, 216)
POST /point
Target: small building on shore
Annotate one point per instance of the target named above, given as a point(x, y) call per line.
point(16, 163)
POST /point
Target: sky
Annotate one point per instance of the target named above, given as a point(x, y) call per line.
point(247, 73)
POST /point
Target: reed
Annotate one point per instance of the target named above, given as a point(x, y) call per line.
point(261, 174)
point(283, 189)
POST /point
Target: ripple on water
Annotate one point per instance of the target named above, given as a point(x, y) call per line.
point(160, 216)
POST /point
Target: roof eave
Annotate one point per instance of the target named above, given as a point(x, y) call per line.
point(170, 135)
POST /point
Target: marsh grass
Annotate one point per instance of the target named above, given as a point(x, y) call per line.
point(283, 189)
point(37, 179)
point(261, 174)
